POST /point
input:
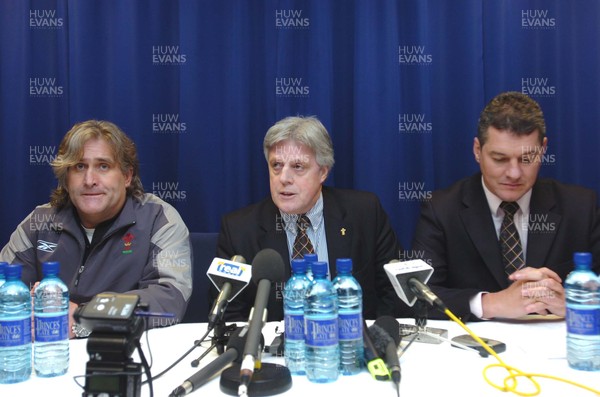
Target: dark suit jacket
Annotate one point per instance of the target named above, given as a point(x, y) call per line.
point(356, 227)
point(456, 234)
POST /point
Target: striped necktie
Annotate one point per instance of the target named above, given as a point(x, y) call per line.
point(302, 244)
point(512, 251)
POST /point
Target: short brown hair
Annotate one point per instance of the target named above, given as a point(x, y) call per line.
point(513, 112)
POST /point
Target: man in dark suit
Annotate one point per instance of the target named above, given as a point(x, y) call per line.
point(460, 230)
point(341, 223)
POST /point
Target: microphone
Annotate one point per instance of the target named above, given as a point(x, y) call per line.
point(424, 293)
point(374, 363)
point(409, 278)
point(230, 277)
point(390, 325)
point(235, 347)
point(267, 267)
point(386, 338)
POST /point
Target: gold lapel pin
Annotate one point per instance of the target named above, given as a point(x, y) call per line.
point(343, 231)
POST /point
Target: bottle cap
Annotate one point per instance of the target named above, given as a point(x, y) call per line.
point(299, 265)
point(344, 265)
point(319, 268)
point(50, 268)
point(13, 271)
point(310, 259)
point(2, 267)
point(583, 260)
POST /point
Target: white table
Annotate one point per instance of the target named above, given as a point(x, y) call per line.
point(427, 369)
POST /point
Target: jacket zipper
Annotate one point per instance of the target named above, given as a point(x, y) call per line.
point(87, 243)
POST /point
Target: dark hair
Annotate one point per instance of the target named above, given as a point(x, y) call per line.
point(70, 153)
point(513, 112)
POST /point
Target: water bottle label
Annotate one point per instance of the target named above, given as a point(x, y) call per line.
point(350, 326)
point(294, 326)
point(321, 332)
point(51, 329)
point(583, 321)
point(15, 332)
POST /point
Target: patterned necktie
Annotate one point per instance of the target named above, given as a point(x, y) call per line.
point(512, 252)
point(302, 243)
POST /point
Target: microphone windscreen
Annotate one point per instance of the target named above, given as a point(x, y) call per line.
point(391, 326)
point(268, 265)
point(381, 339)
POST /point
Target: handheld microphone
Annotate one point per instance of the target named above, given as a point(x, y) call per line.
point(390, 325)
point(374, 363)
point(230, 277)
point(267, 267)
point(235, 347)
point(386, 338)
point(409, 278)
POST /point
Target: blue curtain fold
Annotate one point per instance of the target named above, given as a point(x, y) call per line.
point(398, 83)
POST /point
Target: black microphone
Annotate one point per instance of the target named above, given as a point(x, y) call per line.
point(267, 267)
point(373, 360)
point(386, 338)
point(235, 347)
point(230, 277)
point(409, 278)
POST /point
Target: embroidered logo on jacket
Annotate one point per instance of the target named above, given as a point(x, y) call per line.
point(127, 243)
point(46, 246)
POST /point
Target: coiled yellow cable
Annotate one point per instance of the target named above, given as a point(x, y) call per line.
point(510, 381)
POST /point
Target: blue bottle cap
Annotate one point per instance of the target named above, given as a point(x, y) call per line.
point(343, 265)
point(310, 258)
point(299, 265)
point(13, 271)
point(583, 260)
point(2, 267)
point(50, 267)
point(319, 268)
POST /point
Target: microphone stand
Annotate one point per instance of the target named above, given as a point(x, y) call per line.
point(219, 339)
point(424, 334)
point(421, 310)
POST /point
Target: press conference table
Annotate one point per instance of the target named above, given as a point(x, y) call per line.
point(427, 369)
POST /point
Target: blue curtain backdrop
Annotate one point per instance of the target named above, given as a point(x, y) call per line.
point(398, 83)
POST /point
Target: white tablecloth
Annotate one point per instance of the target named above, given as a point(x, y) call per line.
point(427, 369)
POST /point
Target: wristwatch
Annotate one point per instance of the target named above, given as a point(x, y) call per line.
point(80, 331)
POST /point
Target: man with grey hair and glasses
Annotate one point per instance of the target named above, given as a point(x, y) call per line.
point(333, 223)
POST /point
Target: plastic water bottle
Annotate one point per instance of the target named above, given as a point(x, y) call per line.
point(293, 313)
point(2, 277)
point(15, 327)
point(321, 328)
point(310, 259)
point(582, 290)
point(349, 294)
point(51, 323)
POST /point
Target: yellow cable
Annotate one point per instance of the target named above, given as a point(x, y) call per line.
point(510, 381)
